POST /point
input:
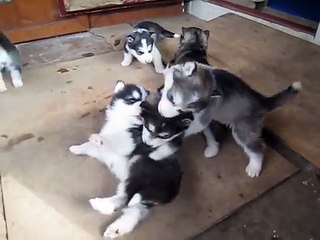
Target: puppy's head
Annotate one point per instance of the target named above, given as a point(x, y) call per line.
point(140, 44)
point(158, 130)
point(194, 35)
point(125, 103)
point(187, 87)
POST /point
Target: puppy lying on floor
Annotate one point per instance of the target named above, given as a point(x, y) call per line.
point(148, 176)
point(219, 95)
point(141, 44)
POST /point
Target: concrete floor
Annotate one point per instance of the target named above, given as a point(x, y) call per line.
point(291, 210)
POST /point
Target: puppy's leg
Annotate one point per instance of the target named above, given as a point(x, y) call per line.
point(249, 137)
point(162, 152)
point(214, 135)
point(157, 60)
point(3, 87)
point(127, 58)
point(16, 77)
point(86, 148)
point(212, 148)
point(110, 204)
point(131, 216)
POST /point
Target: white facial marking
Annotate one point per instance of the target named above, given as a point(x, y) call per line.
point(136, 95)
point(188, 68)
point(165, 107)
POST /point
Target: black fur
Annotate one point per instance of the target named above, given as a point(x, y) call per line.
point(11, 49)
point(135, 40)
point(158, 182)
point(155, 28)
point(127, 95)
point(193, 46)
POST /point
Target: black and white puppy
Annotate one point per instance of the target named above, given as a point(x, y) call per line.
point(219, 95)
point(147, 177)
point(192, 47)
point(9, 61)
point(141, 44)
point(163, 135)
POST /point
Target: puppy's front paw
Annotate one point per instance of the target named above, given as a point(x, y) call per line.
point(125, 63)
point(96, 140)
point(3, 89)
point(17, 83)
point(211, 151)
point(159, 70)
point(103, 205)
point(75, 149)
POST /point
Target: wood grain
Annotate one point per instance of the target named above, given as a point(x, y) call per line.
point(105, 19)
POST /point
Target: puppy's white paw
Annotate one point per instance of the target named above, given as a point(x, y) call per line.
point(159, 70)
point(3, 88)
point(125, 63)
point(96, 140)
point(211, 151)
point(103, 205)
point(253, 169)
point(117, 229)
point(75, 149)
point(17, 83)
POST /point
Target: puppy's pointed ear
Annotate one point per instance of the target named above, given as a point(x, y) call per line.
point(130, 38)
point(189, 68)
point(183, 30)
point(207, 33)
point(119, 86)
point(153, 35)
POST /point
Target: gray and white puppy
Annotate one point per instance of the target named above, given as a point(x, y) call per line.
point(222, 96)
point(141, 44)
point(10, 62)
point(193, 47)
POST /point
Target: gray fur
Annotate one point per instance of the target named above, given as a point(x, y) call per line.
point(221, 96)
point(9, 62)
point(141, 44)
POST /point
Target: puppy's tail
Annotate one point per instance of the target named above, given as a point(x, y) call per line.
point(282, 97)
point(168, 34)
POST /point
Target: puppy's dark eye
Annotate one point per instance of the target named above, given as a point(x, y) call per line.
point(131, 100)
point(170, 97)
point(165, 136)
point(139, 52)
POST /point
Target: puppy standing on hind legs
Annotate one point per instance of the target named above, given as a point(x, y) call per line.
point(141, 44)
point(226, 99)
point(10, 62)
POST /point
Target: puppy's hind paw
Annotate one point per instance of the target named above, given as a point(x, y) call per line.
point(96, 140)
point(117, 229)
point(253, 170)
point(103, 205)
point(75, 149)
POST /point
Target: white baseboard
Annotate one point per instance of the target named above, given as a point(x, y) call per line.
point(208, 11)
